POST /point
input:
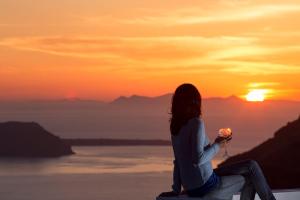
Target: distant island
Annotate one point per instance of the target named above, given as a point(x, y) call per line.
point(115, 142)
point(278, 157)
point(29, 139)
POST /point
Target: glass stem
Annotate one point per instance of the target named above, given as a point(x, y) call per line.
point(226, 152)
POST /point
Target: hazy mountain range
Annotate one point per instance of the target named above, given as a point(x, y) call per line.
point(140, 117)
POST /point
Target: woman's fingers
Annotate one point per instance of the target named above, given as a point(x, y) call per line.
point(228, 139)
point(221, 139)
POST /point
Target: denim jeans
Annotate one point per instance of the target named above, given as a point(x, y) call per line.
point(225, 189)
point(254, 181)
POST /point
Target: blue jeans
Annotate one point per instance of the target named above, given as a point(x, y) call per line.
point(254, 181)
point(225, 189)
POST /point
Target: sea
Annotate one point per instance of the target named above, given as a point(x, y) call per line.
point(93, 173)
point(102, 172)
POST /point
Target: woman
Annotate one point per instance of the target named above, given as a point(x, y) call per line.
point(193, 154)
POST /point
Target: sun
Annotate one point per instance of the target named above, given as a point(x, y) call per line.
point(256, 95)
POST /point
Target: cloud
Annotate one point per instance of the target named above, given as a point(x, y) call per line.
point(137, 49)
point(199, 16)
point(262, 84)
point(165, 53)
point(260, 68)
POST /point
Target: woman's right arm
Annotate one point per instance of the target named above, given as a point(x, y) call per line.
point(199, 154)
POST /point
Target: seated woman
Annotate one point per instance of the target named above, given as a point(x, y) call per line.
point(193, 154)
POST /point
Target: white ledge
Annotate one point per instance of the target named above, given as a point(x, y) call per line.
point(287, 194)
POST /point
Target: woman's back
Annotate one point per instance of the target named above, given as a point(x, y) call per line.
point(193, 154)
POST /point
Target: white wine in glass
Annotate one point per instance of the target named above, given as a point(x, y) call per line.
point(225, 133)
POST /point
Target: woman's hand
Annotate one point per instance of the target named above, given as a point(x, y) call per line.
point(221, 140)
point(168, 194)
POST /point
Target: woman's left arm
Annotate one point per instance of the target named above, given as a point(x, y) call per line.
point(176, 178)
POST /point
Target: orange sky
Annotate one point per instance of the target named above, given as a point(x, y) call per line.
point(95, 49)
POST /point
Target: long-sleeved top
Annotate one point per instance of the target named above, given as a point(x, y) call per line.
point(193, 154)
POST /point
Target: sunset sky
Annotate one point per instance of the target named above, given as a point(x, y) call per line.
point(95, 49)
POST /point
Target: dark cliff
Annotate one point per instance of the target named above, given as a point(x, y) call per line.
point(29, 139)
point(279, 157)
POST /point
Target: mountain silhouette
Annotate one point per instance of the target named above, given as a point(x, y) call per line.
point(278, 157)
point(142, 100)
point(29, 139)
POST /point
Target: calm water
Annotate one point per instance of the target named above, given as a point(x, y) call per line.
point(92, 173)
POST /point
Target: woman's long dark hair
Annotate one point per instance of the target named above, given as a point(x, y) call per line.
point(186, 104)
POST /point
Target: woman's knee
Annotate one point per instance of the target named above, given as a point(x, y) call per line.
point(251, 163)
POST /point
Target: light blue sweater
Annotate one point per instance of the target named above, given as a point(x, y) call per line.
point(193, 154)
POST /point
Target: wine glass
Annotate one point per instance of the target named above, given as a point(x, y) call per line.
point(225, 133)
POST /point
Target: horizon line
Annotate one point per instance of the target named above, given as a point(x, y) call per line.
point(131, 96)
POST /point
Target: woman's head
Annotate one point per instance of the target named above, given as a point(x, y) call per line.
point(186, 104)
